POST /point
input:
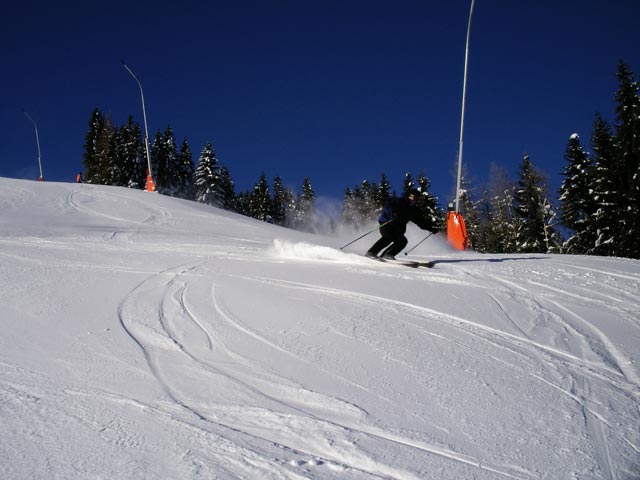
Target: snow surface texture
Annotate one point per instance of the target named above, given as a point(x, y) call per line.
point(145, 337)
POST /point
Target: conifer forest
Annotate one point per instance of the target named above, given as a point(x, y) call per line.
point(595, 212)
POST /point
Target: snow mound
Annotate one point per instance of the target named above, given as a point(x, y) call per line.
point(305, 251)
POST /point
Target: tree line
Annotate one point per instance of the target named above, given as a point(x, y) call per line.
point(596, 211)
point(115, 155)
point(598, 203)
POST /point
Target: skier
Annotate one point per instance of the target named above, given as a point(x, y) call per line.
point(79, 177)
point(393, 220)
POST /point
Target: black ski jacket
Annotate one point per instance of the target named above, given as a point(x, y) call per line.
point(402, 211)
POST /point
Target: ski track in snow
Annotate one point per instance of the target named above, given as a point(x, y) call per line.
point(474, 327)
point(149, 340)
point(155, 342)
point(147, 345)
point(512, 342)
point(613, 364)
point(149, 214)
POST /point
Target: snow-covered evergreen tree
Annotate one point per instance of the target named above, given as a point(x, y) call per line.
point(207, 178)
point(280, 202)
point(362, 204)
point(260, 203)
point(184, 182)
point(165, 162)
point(627, 138)
point(131, 160)
point(242, 203)
point(369, 207)
point(349, 213)
point(115, 162)
point(576, 200)
point(499, 223)
point(99, 143)
point(158, 156)
point(552, 238)
point(302, 216)
point(383, 191)
point(482, 236)
point(408, 184)
point(533, 233)
point(90, 156)
point(428, 204)
point(604, 190)
point(359, 205)
point(107, 168)
point(226, 190)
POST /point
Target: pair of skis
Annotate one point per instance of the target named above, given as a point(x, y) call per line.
point(404, 263)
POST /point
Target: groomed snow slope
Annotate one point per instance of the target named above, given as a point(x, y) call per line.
point(145, 337)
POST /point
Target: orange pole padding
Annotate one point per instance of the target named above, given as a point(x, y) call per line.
point(151, 186)
point(457, 231)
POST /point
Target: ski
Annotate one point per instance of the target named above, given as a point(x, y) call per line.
point(410, 263)
point(405, 263)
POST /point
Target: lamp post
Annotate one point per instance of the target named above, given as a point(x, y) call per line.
point(41, 177)
point(464, 96)
point(456, 228)
point(150, 186)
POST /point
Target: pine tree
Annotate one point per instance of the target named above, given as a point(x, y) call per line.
point(130, 154)
point(115, 160)
point(368, 206)
point(505, 223)
point(158, 158)
point(185, 173)
point(482, 238)
point(408, 184)
point(226, 190)
point(499, 223)
point(99, 144)
point(307, 192)
point(627, 139)
point(533, 234)
point(576, 201)
point(242, 203)
point(280, 202)
point(207, 178)
point(552, 238)
point(383, 192)
point(165, 162)
point(106, 169)
point(349, 213)
point(428, 204)
point(305, 202)
point(260, 203)
point(362, 205)
point(466, 201)
point(90, 156)
point(604, 191)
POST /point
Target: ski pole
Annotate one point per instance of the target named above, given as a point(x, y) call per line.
point(417, 244)
point(371, 231)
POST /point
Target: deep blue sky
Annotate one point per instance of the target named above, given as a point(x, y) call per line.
point(338, 91)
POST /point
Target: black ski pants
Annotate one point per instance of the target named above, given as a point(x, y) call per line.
point(392, 240)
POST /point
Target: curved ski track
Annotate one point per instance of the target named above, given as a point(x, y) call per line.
point(170, 331)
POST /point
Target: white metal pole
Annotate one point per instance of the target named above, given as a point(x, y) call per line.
point(37, 143)
point(464, 96)
point(144, 116)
